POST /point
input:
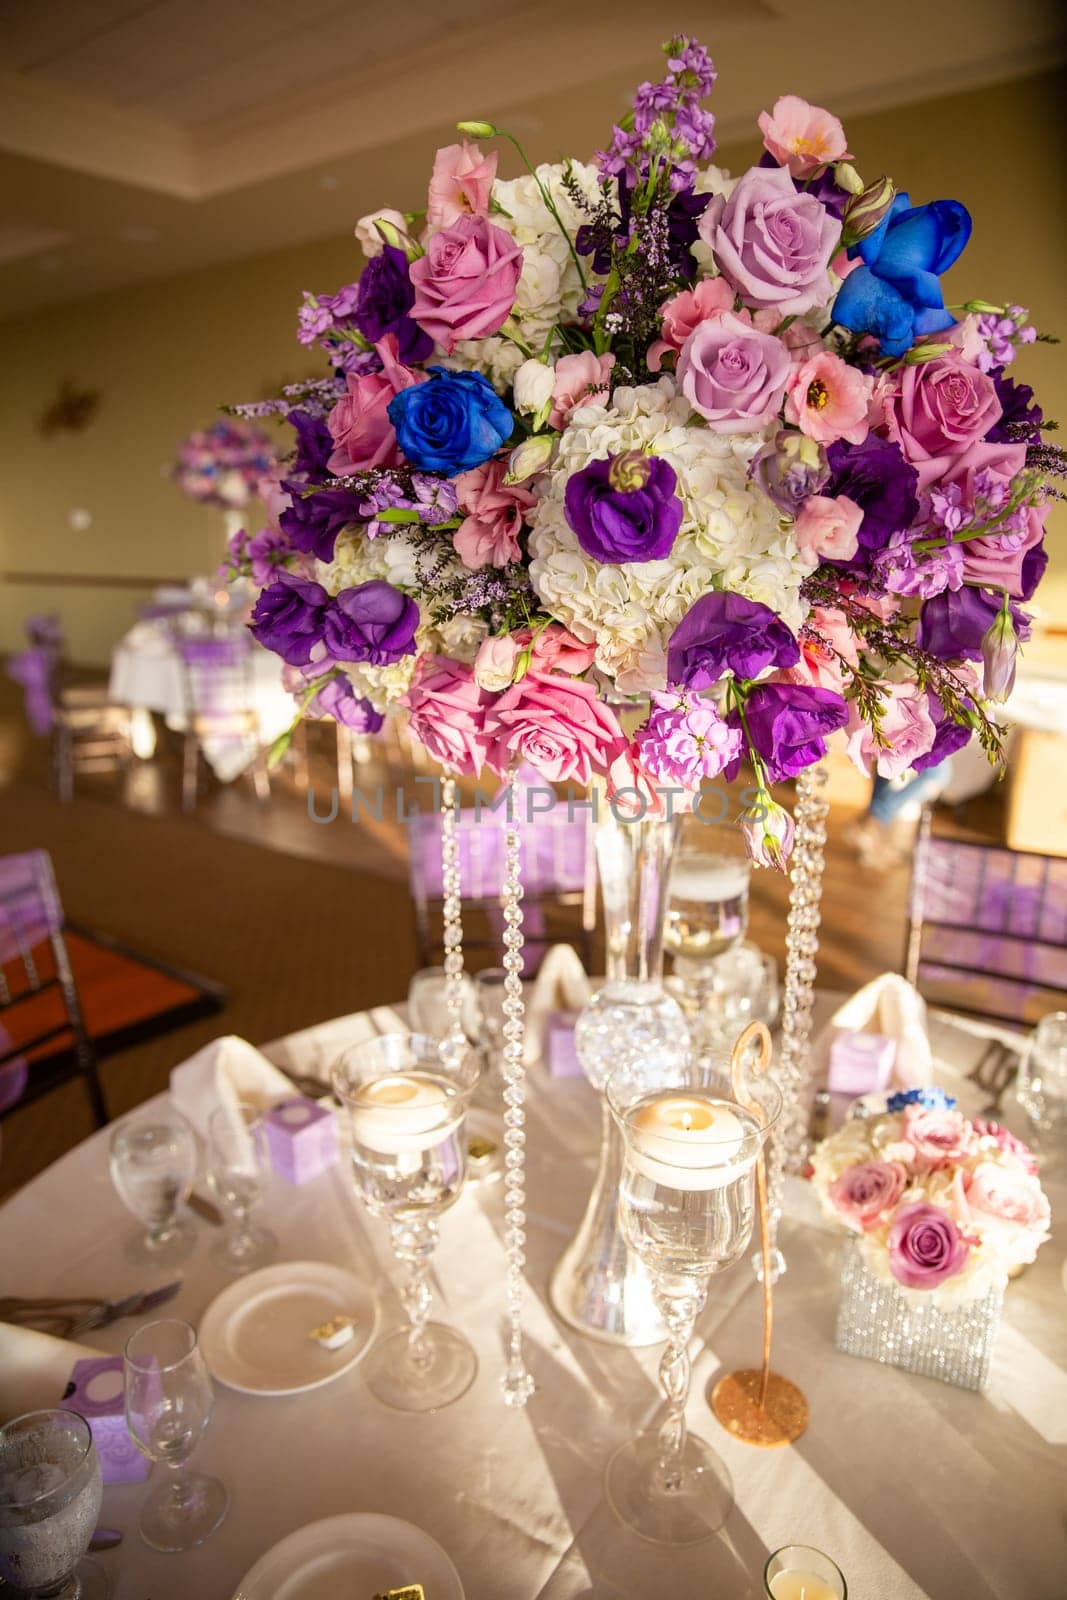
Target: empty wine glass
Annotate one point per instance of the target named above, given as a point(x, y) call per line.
point(50, 1496)
point(428, 1004)
point(407, 1101)
point(490, 994)
point(686, 1205)
point(238, 1164)
point(168, 1407)
point(1042, 1086)
point(153, 1161)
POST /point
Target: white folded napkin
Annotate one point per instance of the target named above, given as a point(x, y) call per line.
point(35, 1368)
point(889, 1005)
point(227, 1072)
point(562, 984)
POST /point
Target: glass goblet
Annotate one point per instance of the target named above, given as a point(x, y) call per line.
point(238, 1164)
point(489, 996)
point(168, 1406)
point(1042, 1087)
point(50, 1496)
point(686, 1205)
point(153, 1160)
point(407, 1099)
point(707, 915)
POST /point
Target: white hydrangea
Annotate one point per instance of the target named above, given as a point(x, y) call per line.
point(731, 536)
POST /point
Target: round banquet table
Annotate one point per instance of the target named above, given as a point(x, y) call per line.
point(914, 1487)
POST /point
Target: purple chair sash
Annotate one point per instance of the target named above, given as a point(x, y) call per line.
point(30, 909)
point(33, 670)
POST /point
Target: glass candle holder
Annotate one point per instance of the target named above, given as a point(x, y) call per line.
point(800, 1572)
point(406, 1098)
point(687, 1206)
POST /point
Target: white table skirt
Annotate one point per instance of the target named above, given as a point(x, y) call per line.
point(915, 1488)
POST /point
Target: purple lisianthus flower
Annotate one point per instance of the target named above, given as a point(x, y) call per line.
point(383, 305)
point(685, 740)
point(950, 737)
point(626, 508)
point(338, 699)
point(790, 469)
point(876, 477)
point(314, 445)
point(265, 552)
point(313, 521)
point(726, 633)
point(925, 1247)
point(788, 724)
point(953, 624)
point(373, 622)
point(1021, 415)
point(768, 831)
point(290, 616)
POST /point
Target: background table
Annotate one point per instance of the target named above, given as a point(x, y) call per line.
point(915, 1488)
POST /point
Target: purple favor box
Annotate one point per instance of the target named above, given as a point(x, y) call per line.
point(861, 1063)
point(95, 1392)
point(302, 1138)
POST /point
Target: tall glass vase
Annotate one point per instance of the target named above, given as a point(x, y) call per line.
point(631, 1024)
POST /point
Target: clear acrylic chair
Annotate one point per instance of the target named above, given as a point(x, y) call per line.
point(219, 706)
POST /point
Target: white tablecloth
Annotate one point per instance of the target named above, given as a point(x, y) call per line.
point(915, 1488)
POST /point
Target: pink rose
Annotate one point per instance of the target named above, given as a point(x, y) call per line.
point(1004, 1194)
point(494, 665)
point(940, 407)
point(908, 732)
point(685, 312)
point(580, 380)
point(447, 714)
point(1006, 1141)
point(465, 283)
point(632, 791)
point(865, 1192)
point(937, 1137)
point(732, 374)
point(802, 137)
point(359, 423)
point(828, 399)
point(772, 243)
point(555, 649)
point(999, 559)
point(488, 536)
point(826, 643)
point(461, 184)
point(925, 1247)
point(827, 528)
point(1004, 459)
point(557, 724)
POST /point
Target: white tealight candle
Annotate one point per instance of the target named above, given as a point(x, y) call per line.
point(709, 879)
point(801, 1586)
point(686, 1141)
point(402, 1115)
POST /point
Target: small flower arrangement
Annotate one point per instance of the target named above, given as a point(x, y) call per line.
point(940, 1205)
point(228, 464)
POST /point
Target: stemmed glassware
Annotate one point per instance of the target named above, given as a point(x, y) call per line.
point(50, 1496)
point(489, 995)
point(1042, 1087)
point(168, 1406)
point(153, 1160)
point(407, 1101)
point(238, 1163)
point(686, 1205)
point(707, 915)
point(428, 1004)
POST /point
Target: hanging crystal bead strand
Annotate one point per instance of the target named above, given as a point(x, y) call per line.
point(517, 1383)
point(452, 910)
point(788, 1149)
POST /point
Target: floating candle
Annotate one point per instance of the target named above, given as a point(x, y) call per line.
point(403, 1113)
point(688, 1141)
point(801, 1586)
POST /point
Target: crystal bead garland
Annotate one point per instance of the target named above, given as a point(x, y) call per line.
point(452, 911)
point(788, 1149)
point(517, 1382)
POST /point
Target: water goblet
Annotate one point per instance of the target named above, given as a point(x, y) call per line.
point(168, 1406)
point(428, 1004)
point(490, 996)
point(153, 1160)
point(707, 915)
point(686, 1206)
point(50, 1496)
point(1042, 1087)
point(238, 1164)
point(406, 1097)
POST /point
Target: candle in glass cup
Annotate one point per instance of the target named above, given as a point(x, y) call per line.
point(686, 1141)
point(800, 1586)
point(800, 1572)
point(403, 1114)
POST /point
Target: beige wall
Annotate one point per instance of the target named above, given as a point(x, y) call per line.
point(163, 356)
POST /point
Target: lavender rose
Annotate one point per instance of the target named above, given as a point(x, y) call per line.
point(772, 242)
point(788, 724)
point(625, 508)
point(941, 407)
point(733, 374)
point(373, 623)
point(727, 633)
point(925, 1247)
point(866, 1191)
point(465, 283)
point(290, 616)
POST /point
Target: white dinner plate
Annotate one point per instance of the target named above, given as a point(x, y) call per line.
point(357, 1554)
point(255, 1335)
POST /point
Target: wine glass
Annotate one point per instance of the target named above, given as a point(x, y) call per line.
point(686, 1206)
point(489, 997)
point(428, 1004)
point(707, 913)
point(407, 1097)
point(168, 1407)
point(1042, 1086)
point(153, 1161)
point(50, 1496)
point(238, 1163)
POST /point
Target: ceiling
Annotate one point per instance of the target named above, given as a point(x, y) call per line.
point(142, 138)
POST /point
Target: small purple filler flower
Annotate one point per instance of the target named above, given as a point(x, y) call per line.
point(925, 1247)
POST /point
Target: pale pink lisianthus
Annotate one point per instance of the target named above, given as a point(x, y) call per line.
point(938, 1137)
point(447, 714)
point(557, 724)
point(494, 665)
point(359, 423)
point(580, 380)
point(827, 528)
point(461, 184)
point(802, 137)
point(555, 649)
point(826, 643)
point(828, 400)
point(465, 283)
point(683, 312)
point(907, 731)
point(488, 536)
point(864, 1194)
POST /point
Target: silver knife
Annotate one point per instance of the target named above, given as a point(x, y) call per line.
point(134, 1305)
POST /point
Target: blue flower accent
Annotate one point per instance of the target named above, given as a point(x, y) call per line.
point(931, 1099)
point(896, 294)
point(451, 423)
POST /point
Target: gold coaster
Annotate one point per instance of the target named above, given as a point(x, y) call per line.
point(735, 1401)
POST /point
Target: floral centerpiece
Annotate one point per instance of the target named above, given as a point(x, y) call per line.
point(228, 465)
point(635, 427)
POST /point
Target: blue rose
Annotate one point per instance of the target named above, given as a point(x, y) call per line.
point(451, 423)
point(896, 294)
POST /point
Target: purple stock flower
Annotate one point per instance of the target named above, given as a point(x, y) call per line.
point(875, 475)
point(626, 508)
point(383, 305)
point(950, 736)
point(373, 622)
point(685, 740)
point(1021, 415)
point(338, 699)
point(313, 521)
point(727, 633)
point(788, 724)
point(289, 617)
point(925, 1247)
point(953, 624)
point(903, 570)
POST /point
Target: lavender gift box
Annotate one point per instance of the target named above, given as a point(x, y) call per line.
point(302, 1139)
point(96, 1392)
point(860, 1063)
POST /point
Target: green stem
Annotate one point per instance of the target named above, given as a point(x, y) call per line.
point(549, 202)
